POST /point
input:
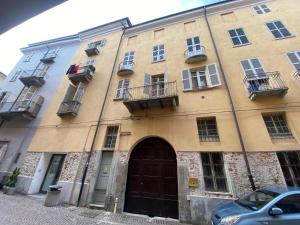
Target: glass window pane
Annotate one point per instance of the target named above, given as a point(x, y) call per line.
point(271, 26)
point(236, 41)
point(285, 32)
point(240, 31)
point(244, 39)
point(196, 40)
point(232, 33)
point(279, 24)
point(276, 34)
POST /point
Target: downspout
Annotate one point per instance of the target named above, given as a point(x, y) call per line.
point(98, 124)
point(250, 177)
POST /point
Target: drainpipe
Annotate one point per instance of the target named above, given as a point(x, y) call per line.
point(98, 124)
point(250, 177)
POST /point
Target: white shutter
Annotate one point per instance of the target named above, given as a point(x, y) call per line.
point(119, 89)
point(79, 92)
point(125, 87)
point(42, 70)
point(212, 75)
point(147, 82)
point(166, 84)
point(27, 93)
point(186, 80)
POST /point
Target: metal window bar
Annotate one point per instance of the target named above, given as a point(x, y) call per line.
point(207, 130)
point(213, 172)
point(126, 65)
point(290, 165)
point(111, 137)
point(277, 126)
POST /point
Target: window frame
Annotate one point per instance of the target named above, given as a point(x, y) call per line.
point(277, 135)
point(297, 54)
point(208, 137)
point(238, 36)
point(255, 75)
point(122, 89)
point(282, 36)
point(158, 55)
point(289, 167)
point(262, 8)
point(213, 176)
point(113, 135)
point(16, 75)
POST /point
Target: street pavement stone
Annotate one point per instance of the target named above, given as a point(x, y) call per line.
point(28, 210)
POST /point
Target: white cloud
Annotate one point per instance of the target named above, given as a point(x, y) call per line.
point(77, 15)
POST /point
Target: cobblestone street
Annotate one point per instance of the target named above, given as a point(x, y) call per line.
point(26, 210)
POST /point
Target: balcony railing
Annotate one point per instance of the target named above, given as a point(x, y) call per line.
point(33, 77)
point(92, 50)
point(296, 75)
point(126, 68)
point(68, 108)
point(48, 58)
point(265, 84)
point(160, 94)
point(195, 54)
point(28, 108)
point(84, 74)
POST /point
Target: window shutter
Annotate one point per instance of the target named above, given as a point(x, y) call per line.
point(79, 92)
point(27, 93)
point(119, 89)
point(147, 82)
point(186, 80)
point(4, 96)
point(125, 87)
point(166, 84)
point(69, 93)
point(212, 75)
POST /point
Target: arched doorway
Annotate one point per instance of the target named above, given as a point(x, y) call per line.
point(152, 179)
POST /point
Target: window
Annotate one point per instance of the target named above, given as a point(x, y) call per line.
point(15, 76)
point(289, 204)
point(158, 53)
point(253, 68)
point(197, 79)
point(122, 87)
point(295, 59)
point(3, 149)
point(261, 9)
point(277, 126)
point(111, 137)
point(290, 166)
point(3, 96)
point(207, 129)
point(193, 44)
point(128, 58)
point(74, 94)
point(90, 62)
point(213, 172)
point(238, 37)
point(278, 29)
point(155, 85)
point(28, 57)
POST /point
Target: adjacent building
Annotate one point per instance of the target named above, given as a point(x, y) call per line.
point(175, 115)
point(25, 95)
point(2, 76)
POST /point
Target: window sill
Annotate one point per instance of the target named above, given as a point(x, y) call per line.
point(219, 194)
point(276, 39)
point(108, 149)
point(158, 61)
point(237, 46)
point(198, 89)
point(286, 140)
point(118, 99)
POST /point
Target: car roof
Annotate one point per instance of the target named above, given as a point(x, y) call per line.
point(281, 189)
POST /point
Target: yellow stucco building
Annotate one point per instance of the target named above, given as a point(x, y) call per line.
point(180, 113)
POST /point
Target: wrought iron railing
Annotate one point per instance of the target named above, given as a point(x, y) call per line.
point(38, 73)
point(194, 51)
point(70, 107)
point(264, 82)
point(296, 75)
point(126, 65)
point(50, 55)
point(154, 91)
point(29, 106)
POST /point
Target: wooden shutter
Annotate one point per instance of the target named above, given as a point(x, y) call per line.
point(69, 93)
point(186, 80)
point(42, 70)
point(147, 82)
point(79, 92)
point(119, 89)
point(125, 87)
point(212, 75)
point(27, 93)
point(165, 84)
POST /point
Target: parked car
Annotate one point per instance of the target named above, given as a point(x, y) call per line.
point(267, 206)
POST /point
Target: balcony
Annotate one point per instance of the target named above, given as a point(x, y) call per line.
point(125, 68)
point(296, 75)
point(265, 84)
point(27, 109)
point(48, 58)
point(92, 50)
point(33, 77)
point(68, 108)
point(84, 74)
point(195, 54)
point(150, 96)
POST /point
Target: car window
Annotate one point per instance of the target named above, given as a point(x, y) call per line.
point(290, 204)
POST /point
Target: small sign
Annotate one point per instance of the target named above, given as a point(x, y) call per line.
point(193, 182)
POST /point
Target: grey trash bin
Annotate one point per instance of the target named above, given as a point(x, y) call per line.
point(53, 196)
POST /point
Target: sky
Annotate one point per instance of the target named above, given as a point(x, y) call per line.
point(74, 16)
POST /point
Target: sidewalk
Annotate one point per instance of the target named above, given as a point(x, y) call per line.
point(26, 210)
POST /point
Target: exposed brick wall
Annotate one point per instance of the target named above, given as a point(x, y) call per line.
point(70, 167)
point(30, 163)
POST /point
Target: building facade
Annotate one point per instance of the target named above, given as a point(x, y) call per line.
point(25, 96)
point(2, 77)
point(175, 115)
